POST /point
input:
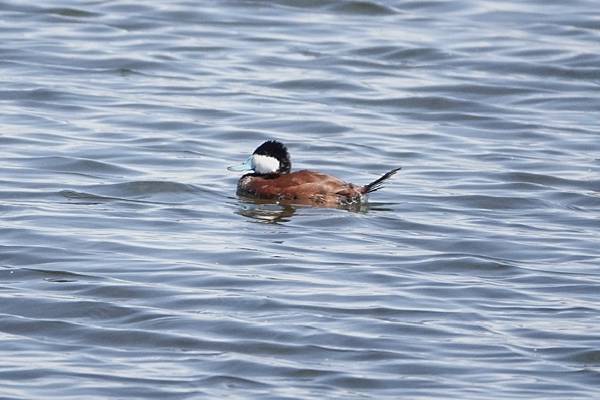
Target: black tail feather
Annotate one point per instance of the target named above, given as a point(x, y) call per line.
point(378, 184)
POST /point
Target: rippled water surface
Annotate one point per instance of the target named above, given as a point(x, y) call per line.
point(130, 269)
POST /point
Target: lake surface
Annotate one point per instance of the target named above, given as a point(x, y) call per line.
point(130, 269)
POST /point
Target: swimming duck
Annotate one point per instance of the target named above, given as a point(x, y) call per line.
point(270, 177)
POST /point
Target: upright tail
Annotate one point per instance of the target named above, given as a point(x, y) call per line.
point(378, 184)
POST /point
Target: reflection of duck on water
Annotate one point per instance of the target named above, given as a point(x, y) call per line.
point(266, 211)
point(270, 177)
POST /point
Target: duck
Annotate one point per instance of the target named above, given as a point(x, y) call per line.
point(268, 175)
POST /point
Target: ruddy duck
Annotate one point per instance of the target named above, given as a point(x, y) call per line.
point(270, 177)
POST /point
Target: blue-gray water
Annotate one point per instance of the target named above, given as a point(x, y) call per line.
point(129, 268)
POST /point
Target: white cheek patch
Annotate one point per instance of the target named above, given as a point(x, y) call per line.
point(264, 164)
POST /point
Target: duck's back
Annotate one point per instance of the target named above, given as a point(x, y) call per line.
point(302, 186)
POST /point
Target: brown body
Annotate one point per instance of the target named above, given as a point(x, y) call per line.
point(301, 187)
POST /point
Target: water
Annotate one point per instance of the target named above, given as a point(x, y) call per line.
point(129, 268)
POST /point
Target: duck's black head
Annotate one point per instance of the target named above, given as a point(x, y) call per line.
point(270, 158)
point(265, 153)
